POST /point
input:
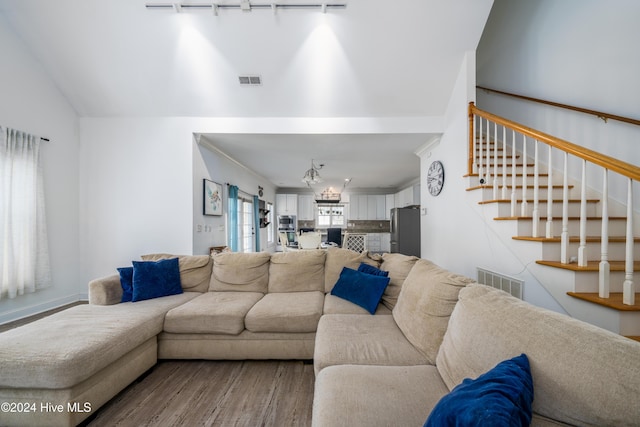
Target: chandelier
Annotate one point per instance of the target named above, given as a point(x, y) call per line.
point(312, 176)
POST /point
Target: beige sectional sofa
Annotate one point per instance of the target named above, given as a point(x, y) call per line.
point(432, 329)
point(60, 369)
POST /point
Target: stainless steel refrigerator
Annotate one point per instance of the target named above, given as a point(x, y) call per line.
point(405, 231)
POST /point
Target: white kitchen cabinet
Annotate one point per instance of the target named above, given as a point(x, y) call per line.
point(367, 207)
point(306, 208)
point(385, 242)
point(389, 204)
point(287, 204)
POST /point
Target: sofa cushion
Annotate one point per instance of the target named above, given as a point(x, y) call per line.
point(338, 258)
point(286, 312)
point(350, 395)
point(66, 348)
point(238, 271)
point(501, 397)
point(426, 300)
point(212, 313)
point(344, 339)
point(299, 271)
point(195, 270)
point(337, 305)
point(360, 288)
point(574, 364)
point(398, 266)
point(154, 279)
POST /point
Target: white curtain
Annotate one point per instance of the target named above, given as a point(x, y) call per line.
point(24, 254)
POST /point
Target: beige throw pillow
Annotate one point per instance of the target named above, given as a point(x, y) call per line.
point(427, 298)
point(237, 271)
point(299, 271)
point(398, 266)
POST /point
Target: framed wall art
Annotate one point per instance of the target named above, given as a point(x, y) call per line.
point(212, 198)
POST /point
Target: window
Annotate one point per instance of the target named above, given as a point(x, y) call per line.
point(24, 257)
point(245, 225)
point(330, 216)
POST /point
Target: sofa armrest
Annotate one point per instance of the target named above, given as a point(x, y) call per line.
point(105, 290)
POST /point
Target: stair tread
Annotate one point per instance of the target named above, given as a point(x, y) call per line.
point(509, 174)
point(484, 202)
point(614, 301)
point(589, 218)
point(488, 186)
point(592, 239)
point(591, 265)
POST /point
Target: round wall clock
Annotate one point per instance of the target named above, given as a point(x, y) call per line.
point(435, 178)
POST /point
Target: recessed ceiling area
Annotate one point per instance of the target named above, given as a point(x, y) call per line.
point(385, 161)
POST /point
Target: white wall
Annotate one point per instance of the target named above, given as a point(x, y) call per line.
point(455, 233)
point(30, 101)
point(141, 179)
point(219, 168)
point(577, 52)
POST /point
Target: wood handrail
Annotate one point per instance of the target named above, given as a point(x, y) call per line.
point(599, 114)
point(607, 162)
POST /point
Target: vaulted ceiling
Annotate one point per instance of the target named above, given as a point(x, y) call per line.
point(372, 59)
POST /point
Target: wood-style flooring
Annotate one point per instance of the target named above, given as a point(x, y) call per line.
point(214, 393)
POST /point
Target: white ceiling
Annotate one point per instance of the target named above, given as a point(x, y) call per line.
point(374, 59)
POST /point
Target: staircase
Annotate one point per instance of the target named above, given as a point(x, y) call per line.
point(555, 224)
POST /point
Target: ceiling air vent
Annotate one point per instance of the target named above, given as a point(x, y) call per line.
point(250, 80)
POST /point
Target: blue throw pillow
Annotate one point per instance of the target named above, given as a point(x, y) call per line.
point(126, 282)
point(360, 288)
point(369, 269)
point(153, 279)
point(500, 397)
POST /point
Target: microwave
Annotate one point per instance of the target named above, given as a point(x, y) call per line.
point(286, 222)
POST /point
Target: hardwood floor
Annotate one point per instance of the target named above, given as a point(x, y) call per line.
point(215, 393)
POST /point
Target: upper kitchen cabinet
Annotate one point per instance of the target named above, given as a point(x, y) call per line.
point(367, 206)
point(306, 208)
point(287, 204)
point(408, 197)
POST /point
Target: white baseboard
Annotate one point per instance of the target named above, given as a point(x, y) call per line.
point(40, 308)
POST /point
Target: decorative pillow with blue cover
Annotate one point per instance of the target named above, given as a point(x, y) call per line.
point(126, 281)
point(360, 288)
point(150, 279)
point(369, 269)
point(497, 398)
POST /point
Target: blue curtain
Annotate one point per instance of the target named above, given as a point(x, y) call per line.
point(256, 221)
point(232, 231)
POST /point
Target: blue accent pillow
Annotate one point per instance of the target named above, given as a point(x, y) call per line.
point(499, 397)
point(360, 288)
point(126, 282)
point(369, 269)
point(153, 279)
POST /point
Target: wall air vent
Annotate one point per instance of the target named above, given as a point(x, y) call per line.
point(250, 80)
point(508, 284)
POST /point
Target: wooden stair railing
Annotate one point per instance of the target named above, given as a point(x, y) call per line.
point(495, 170)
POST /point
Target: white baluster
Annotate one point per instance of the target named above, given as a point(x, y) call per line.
point(582, 249)
point(495, 161)
point(535, 215)
point(474, 164)
point(549, 228)
point(525, 204)
point(564, 235)
point(504, 163)
point(480, 167)
point(513, 174)
point(604, 267)
point(628, 287)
